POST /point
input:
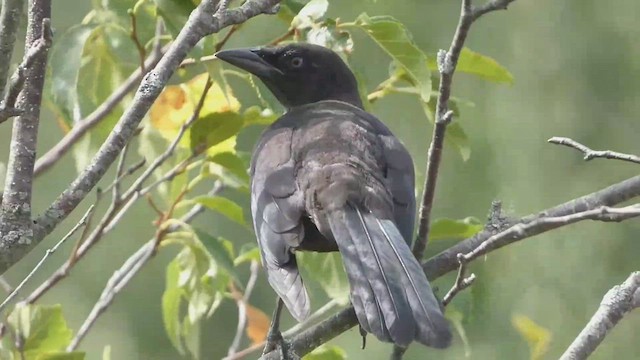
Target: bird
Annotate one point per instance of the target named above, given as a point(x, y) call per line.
point(329, 176)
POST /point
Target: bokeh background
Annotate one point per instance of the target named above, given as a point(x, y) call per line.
point(576, 65)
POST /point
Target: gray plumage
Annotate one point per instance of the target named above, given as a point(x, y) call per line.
point(328, 176)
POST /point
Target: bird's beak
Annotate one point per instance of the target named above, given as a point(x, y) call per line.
point(249, 60)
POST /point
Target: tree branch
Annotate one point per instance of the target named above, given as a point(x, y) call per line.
point(592, 154)
point(617, 302)
point(203, 21)
point(9, 20)
point(447, 62)
point(16, 233)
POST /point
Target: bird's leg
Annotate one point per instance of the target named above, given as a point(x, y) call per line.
point(274, 337)
point(364, 336)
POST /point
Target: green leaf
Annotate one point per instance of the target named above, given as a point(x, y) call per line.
point(249, 252)
point(455, 134)
point(326, 269)
point(65, 61)
point(99, 75)
point(214, 128)
point(394, 38)
point(536, 336)
point(309, 14)
point(233, 164)
point(221, 251)
point(481, 65)
point(256, 115)
point(326, 352)
point(175, 13)
point(43, 328)
point(171, 299)
point(454, 229)
point(222, 205)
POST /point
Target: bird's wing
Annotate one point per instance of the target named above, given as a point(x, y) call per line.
point(400, 179)
point(276, 207)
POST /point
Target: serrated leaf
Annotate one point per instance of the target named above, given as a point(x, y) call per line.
point(43, 328)
point(220, 250)
point(326, 352)
point(394, 38)
point(309, 14)
point(257, 324)
point(536, 336)
point(326, 269)
point(453, 229)
point(222, 205)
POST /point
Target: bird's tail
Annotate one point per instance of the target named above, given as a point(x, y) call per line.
point(389, 290)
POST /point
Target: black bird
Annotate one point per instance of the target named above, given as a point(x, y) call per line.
point(328, 176)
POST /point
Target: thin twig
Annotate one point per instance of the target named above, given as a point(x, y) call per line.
point(462, 282)
point(241, 302)
point(616, 303)
point(49, 252)
point(447, 62)
point(133, 34)
point(592, 154)
point(523, 230)
point(119, 172)
point(10, 15)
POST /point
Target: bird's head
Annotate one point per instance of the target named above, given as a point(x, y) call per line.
point(298, 74)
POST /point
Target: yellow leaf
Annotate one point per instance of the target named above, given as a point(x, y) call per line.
point(536, 336)
point(257, 324)
point(176, 105)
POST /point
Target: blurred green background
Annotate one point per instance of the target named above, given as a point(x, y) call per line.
point(576, 65)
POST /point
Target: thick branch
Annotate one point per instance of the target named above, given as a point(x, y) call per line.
point(15, 224)
point(447, 260)
point(592, 154)
point(9, 21)
point(203, 21)
point(616, 303)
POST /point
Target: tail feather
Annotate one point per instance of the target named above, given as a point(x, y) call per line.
point(392, 295)
point(363, 296)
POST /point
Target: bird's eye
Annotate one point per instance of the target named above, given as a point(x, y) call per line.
point(296, 62)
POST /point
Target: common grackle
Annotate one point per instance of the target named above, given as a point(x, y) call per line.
point(328, 176)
